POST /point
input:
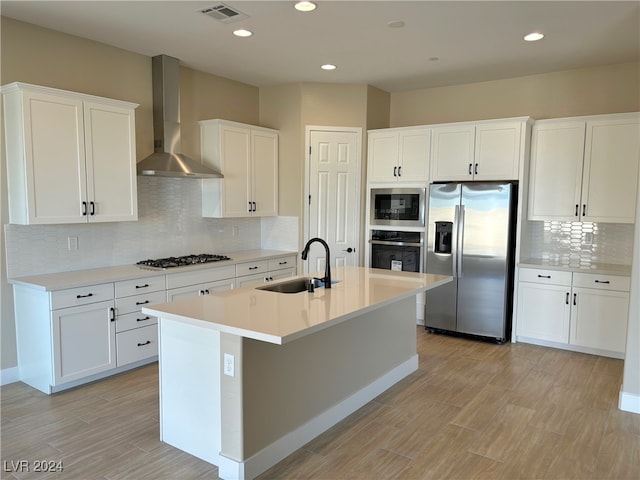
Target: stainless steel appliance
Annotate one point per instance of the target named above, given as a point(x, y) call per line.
point(401, 207)
point(183, 261)
point(391, 250)
point(471, 236)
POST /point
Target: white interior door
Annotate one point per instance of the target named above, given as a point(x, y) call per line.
point(334, 195)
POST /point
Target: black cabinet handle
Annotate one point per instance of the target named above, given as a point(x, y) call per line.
point(145, 343)
point(577, 207)
point(282, 263)
point(112, 312)
point(93, 208)
point(567, 299)
point(253, 268)
point(250, 207)
point(400, 171)
point(84, 208)
point(142, 286)
point(584, 209)
point(395, 169)
point(206, 291)
point(603, 281)
point(85, 296)
point(143, 319)
point(470, 167)
point(142, 303)
point(544, 276)
point(575, 296)
point(475, 171)
point(201, 292)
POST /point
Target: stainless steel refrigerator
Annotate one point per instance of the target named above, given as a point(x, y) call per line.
point(471, 236)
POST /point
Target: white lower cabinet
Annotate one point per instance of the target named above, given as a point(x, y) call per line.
point(137, 333)
point(263, 271)
point(84, 341)
point(582, 311)
point(200, 282)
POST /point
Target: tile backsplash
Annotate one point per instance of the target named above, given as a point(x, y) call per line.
point(169, 224)
point(579, 244)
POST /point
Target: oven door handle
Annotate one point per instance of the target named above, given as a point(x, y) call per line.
point(400, 244)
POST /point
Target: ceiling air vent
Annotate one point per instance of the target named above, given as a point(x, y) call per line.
point(224, 13)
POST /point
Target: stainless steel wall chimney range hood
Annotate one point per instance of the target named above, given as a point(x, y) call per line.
point(167, 160)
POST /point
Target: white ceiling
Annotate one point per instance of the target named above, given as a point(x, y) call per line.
point(473, 41)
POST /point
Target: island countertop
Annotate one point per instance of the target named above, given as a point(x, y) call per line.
point(280, 318)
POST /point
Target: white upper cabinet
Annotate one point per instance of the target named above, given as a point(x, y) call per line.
point(585, 169)
point(477, 151)
point(70, 157)
point(247, 156)
point(399, 155)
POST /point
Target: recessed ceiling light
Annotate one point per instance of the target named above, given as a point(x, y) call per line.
point(242, 33)
point(328, 66)
point(305, 6)
point(395, 24)
point(534, 36)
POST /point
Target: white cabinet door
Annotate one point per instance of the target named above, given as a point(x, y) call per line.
point(599, 319)
point(497, 151)
point(264, 151)
point(236, 164)
point(612, 156)
point(543, 311)
point(53, 162)
point(413, 164)
point(382, 155)
point(111, 163)
point(557, 151)
point(452, 153)
point(84, 341)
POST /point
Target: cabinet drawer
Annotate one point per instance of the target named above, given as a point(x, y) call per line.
point(281, 263)
point(195, 277)
point(136, 302)
point(554, 277)
point(603, 282)
point(132, 320)
point(73, 297)
point(126, 288)
point(137, 344)
point(251, 268)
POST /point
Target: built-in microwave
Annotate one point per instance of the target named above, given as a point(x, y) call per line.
point(401, 207)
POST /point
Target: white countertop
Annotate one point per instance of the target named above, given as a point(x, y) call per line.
point(79, 278)
point(279, 317)
point(599, 268)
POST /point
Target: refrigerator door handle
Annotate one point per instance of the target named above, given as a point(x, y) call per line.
point(460, 239)
point(454, 241)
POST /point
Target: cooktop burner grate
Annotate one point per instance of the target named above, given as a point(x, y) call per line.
point(186, 260)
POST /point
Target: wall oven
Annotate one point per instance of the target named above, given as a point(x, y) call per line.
point(397, 250)
point(401, 207)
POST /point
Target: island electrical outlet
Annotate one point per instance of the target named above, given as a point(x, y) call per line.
point(229, 364)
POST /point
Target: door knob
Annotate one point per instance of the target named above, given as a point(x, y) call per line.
point(349, 250)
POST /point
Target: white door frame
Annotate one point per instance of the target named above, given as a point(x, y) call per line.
point(307, 186)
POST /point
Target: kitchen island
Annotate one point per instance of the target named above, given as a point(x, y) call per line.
point(248, 376)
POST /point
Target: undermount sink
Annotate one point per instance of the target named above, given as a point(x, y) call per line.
point(295, 285)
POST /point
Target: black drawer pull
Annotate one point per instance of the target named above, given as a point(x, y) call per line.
point(145, 343)
point(282, 263)
point(143, 319)
point(603, 281)
point(142, 286)
point(85, 296)
point(544, 276)
point(142, 303)
point(253, 268)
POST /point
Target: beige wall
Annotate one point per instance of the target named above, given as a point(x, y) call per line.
point(590, 91)
point(40, 56)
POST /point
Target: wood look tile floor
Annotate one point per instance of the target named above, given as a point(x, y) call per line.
point(472, 410)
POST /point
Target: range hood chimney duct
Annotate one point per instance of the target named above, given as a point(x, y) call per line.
point(167, 160)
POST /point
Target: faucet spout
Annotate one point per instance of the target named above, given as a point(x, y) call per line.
point(327, 266)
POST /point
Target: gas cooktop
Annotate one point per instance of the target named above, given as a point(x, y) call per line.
point(184, 261)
